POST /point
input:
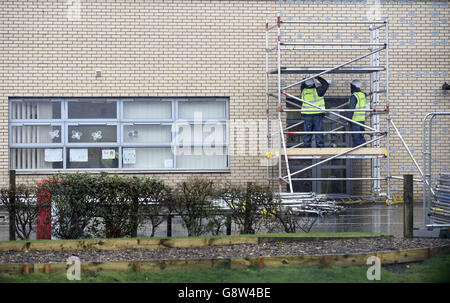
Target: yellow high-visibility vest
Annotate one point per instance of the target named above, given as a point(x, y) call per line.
point(359, 116)
point(311, 95)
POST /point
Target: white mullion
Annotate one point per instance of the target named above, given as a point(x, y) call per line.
point(64, 131)
point(174, 143)
point(120, 126)
point(19, 158)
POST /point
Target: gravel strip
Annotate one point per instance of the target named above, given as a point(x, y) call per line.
point(316, 247)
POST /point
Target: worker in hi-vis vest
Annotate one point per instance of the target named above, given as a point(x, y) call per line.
point(313, 117)
point(357, 101)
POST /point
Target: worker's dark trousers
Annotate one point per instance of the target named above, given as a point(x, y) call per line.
point(313, 123)
point(357, 139)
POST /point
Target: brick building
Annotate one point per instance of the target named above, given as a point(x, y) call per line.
point(108, 85)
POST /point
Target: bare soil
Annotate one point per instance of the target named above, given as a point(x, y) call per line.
point(265, 249)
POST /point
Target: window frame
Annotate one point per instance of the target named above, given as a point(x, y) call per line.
point(120, 122)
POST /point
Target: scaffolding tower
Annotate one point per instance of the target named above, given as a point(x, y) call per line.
point(373, 149)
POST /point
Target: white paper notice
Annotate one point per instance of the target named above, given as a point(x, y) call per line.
point(108, 154)
point(53, 155)
point(168, 163)
point(78, 155)
point(129, 156)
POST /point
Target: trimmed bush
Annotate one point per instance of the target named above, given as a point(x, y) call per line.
point(125, 203)
point(73, 204)
point(87, 205)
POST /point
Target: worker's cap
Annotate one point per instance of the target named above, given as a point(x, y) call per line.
point(309, 82)
point(356, 83)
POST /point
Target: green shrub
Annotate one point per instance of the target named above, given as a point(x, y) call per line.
point(73, 204)
point(125, 203)
point(87, 205)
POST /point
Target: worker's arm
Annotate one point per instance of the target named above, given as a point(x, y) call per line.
point(302, 86)
point(321, 90)
point(352, 105)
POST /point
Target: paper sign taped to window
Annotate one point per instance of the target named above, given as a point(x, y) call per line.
point(79, 155)
point(53, 155)
point(168, 163)
point(129, 156)
point(108, 154)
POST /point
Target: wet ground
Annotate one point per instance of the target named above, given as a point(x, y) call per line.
point(373, 217)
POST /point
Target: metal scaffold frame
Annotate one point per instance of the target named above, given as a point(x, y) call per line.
point(283, 153)
point(436, 200)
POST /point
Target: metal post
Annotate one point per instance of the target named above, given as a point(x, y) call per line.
point(169, 225)
point(408, 206)
point(430, 181)
point(228, 225)
point(12, 202)
point(425, 175)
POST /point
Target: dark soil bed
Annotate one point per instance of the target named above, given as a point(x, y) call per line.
point(315, 247)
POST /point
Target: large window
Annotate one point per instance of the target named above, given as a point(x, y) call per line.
point(117, 133)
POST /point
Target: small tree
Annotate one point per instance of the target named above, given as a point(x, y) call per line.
point(285, 217)
point(246, 205)
point(192, 200)
point(24, 208)
point(113, 196)
point(150, 198)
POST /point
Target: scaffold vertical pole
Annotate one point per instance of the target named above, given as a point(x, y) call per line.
point(388, 116)
point(267, 102)
point(374, 101)
point(279, 99)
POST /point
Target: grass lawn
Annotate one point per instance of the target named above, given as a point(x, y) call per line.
point(435, 269)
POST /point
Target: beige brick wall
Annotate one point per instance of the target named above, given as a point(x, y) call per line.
point(209, 48)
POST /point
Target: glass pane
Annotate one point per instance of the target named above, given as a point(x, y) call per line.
point(147, 158)
point(201, 110)
point(36, 134)
point(92, 110)
point(35, 110)
point(92, 157)
point(147, 110)
point(147, 133)
point(202, 157)
point(36, 158)
point(206, 134)
point(92, 133)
